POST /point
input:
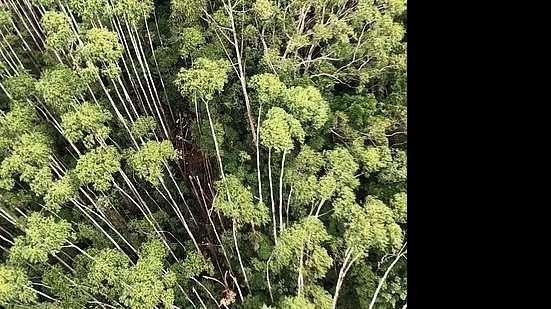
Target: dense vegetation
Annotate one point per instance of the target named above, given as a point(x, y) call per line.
point(203, 154)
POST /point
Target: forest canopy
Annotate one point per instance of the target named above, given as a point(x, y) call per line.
point(203, 154)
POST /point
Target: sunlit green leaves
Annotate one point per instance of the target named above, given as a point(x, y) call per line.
point(372, 226)
point(60, 86)
point(296, 302)
point(57, 26)
point(105, 271)
point(240, 206)
point(191, 38)
point(305, 103)
point(264, 8)
point(134, 10)
point(326, 81)
point(279, 129)
point(5, 18)
point(59, 193)
point(373, 159)
point(43, 236)
point(45, 3)
point(342, 164)
point(269, 88)
point(148, 161)
point(30, 160)
point(386, 233)
point(91, 10)
point(86, 122)
point(308, 161)
point(97, 167)
point(205, 78)
point(144, 126)
point(303, 241)
point(308, 106)
point(15, 286)
point(20, 120)
point(146, 285)
point(186, 10)
point(397, 170)
point(20, 87)
point(399, 207)
point(101, 49)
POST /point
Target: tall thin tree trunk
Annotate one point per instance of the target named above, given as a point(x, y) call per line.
point(274, 220)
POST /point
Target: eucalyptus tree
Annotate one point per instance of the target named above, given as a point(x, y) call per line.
point(137, 141)
point(278, 131)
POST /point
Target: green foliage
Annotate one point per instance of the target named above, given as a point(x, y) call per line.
point(91, 10)
point(17, 198)
point(105, 271)
point(308, 161)
point(365, 279)
point(308, 106)
point(167, 59)
point(205, 78)
point(20, 87)
point(57, 26)
point(264, 9)
point(320, 297)
point(399, 207)
point(134, 10)
point(186, 10)
point(397, 170)
point(45, 3)
point(342, 164)
point(86, 122)
point(377, 130)
point(369, 227)
point(20, 120)
point(386, 233)
point(296, 302)
point(279, 129)
point(97, 167)
point(145, 284)
point(373, 158)
point(5, 18)
point(305, 103)
point(100, 45)
point(43, 236)
point(148, 161)
point(240, 205)
point(87, 231)
point(362, 109)
point(323, 82)
point(29, 159)
point(144, 126)
point(100, 49)
point(309, 184)
point(206, 140)
point(59, 193)
point(68, 293)
point(15, 286)
point(269, 88)
point(303, 241)
point(59, 86)
point(192, 266)
point(191, 38)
